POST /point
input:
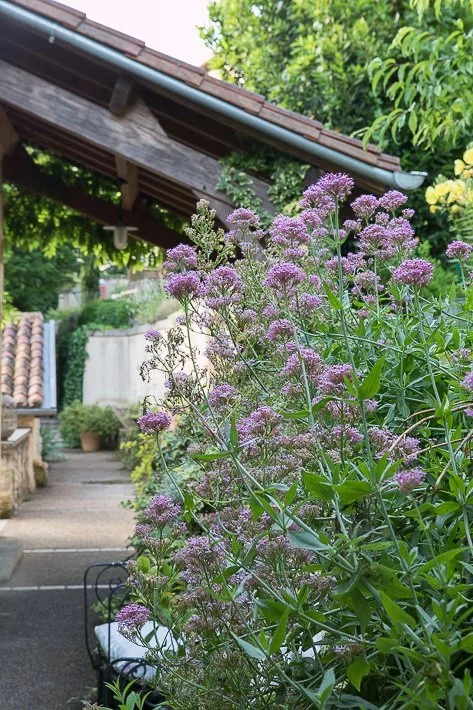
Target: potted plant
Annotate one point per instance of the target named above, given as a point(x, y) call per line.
point(89, 426)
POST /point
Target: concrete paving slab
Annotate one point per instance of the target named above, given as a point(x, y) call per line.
point(58, 568)
point(11, 551)
point(42, 653)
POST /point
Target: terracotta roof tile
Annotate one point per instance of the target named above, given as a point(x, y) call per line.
point(67, 16)
point(101, 33)
point(246, 100)
point(22, 360)
point(168, 65)
point(292, 121)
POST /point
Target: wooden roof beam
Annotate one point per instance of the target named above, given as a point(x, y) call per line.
point(132, 136)
point(122, 96)
point(128, 174)
point(8, 136)
point(22, 171)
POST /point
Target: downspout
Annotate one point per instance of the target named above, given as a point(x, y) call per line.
point(54, 32)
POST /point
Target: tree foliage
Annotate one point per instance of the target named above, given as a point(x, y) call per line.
point(308, 56)
point(426, 77)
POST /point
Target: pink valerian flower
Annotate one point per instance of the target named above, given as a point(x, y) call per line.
point(284, 277)
point(383, 440)
point(367, 281)
point(199, 555)
point(375, 240)
point(311, 219)
point(347, 652)
point(350, 263)
point(468, 382)
point(153, 334)
point(392, 200)
point(307, 303)
point(161, 510)
point(223, 396)
point(263, 421)
point(289, 231)
point(183, 285)
point(414, 272)
point(365, 206)
point(181, 258)
point(314, 198)
point(132, 617)
point(312, 364)
point(459, 250)
point(153, 422)
point(461, 354)
point(243, 218)
point(280, 329)
point(352, 225)
point(332, 379)
point(223, 287)
point(409, 479)
point(336, 185)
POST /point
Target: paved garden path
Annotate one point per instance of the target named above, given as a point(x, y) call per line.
point(74, 521)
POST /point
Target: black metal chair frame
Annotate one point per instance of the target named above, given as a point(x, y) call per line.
point(109, 670)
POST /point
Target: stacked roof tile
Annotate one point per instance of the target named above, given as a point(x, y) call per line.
point(22, 360)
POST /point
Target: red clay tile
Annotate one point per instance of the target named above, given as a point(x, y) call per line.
point(232, 94)
point(291, 120)
point(122, 42)
point(22, 360)
point(179, 70)
point(63, 14)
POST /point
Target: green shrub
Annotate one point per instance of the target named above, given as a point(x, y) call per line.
point(78, 418)
point(109, 313)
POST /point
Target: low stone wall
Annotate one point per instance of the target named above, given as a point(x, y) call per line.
point(17, 477)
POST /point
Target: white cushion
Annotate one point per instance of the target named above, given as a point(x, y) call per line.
point(121, 647)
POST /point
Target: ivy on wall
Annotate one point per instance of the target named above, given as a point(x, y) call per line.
point(76, 358)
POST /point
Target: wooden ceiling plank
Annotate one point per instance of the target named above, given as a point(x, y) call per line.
point(124, 136)
point(21, 170)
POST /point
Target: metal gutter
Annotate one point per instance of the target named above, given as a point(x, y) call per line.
point(57, 33)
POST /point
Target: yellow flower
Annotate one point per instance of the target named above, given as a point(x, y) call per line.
point(443, 188)
point(467, 173)
point(431, 196)
point(434, 208)
point(459, 167)
point(454, 209)
point(468, 156)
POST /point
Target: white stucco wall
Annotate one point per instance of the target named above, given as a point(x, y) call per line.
point(112, 368)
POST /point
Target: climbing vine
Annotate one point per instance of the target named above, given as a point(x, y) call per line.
point(76, 357)
point(285, 175)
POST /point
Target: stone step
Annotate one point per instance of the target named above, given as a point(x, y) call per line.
point(11, 551)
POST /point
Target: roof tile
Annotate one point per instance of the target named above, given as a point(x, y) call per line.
point(168, 65)
point(67, 16)
point(22, 364)
point(113, 38)
point(291, 120)
point(246, 100)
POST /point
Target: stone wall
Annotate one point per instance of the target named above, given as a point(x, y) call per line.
point(17, 477)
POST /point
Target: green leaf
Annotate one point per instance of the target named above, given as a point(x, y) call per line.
point(211, 456)
point(291, 494)
point(443, 558)
point(249, 649)
point(233, 433)
point(328, 681)
point(357, 670)
point(317, 486)
point(352, 491)
point(395, 612)
point(280, 633)
point(306, 540)
point(272, 610)
point(333, 300)
point(372, 382)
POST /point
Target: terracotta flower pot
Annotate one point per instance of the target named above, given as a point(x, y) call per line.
point(90, 442)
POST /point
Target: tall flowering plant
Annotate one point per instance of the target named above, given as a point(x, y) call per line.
point(327, 555)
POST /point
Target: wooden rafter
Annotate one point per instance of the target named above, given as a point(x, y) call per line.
point(122, 96)
point(8, 136)
point(21, 170)
point(131, 137)
point(128, 174)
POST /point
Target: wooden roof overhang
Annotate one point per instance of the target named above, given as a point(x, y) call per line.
point(164, 147)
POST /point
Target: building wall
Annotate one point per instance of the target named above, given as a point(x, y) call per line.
point(112, 369)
